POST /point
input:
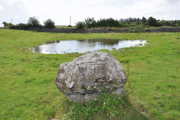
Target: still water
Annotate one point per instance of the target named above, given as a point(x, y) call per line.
point(82, 46)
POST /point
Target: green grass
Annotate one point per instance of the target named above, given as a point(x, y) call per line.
point(28, 91)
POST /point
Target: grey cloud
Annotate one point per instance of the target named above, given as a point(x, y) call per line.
point(16, 11)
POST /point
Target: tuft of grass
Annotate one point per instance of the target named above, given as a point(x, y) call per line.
point(54, 80)
point(108, 106)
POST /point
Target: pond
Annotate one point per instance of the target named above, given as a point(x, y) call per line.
point(82, 46)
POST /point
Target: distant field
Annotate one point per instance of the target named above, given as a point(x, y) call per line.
point(27, 79)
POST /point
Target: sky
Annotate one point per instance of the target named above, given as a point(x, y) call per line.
point(59, 11)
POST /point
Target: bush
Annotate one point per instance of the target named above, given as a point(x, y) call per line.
point(147, 26)
point(49, 24)
point(108, 104)
point(69, 26)
point(23, 26)
point(109, 22)
point(167, 23)
point(33, 22)
point(14, 27)
point(158, 24)
point(123, 24)
point(80, 25)
point(6, 27)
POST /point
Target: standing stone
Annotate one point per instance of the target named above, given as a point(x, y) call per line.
point(82, 78)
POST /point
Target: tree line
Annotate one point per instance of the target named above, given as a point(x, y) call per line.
point(130, 19)
point(33, 22)
point(110, 22)
point(88, 23)
point(138, 20)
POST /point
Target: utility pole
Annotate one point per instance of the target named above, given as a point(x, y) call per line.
point(70, 20)
point(11, 21)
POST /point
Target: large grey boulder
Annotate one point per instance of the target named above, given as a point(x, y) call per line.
point(80, 79)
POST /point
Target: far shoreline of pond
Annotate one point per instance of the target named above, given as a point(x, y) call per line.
point(87, 45)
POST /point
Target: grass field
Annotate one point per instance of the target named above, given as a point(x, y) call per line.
point(28, 92)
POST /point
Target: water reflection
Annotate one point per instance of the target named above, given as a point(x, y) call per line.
point(82, 46)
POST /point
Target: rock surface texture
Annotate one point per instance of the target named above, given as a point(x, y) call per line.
point(84, 77)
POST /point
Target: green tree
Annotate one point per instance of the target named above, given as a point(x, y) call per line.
point(137, 22)
point(178, 22)
point(80, 25)
point(33, 22)
point(158, 24)
point(152, 21)
point(90, 22)
point(102, 23)
point(143, 21)
point(49, 23)
point(5, 24)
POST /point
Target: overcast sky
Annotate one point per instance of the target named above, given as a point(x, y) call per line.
point(60, 10)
